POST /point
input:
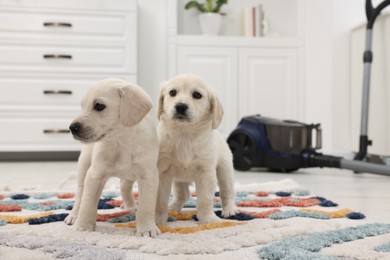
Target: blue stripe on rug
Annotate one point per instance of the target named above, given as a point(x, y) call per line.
point(296, 213)
point(38, 206)
point(308, 246)
point(383, 248)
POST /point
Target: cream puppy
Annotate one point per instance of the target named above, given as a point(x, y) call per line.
point(191, 150)
point(120, 140)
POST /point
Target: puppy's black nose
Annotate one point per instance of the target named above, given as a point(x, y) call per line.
point(75, 127)
point(181, 108)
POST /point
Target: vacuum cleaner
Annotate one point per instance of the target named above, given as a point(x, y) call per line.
point(286, 145)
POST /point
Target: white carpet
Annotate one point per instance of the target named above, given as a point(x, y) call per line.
point(58, 241)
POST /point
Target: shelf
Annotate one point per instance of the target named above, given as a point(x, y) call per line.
point(200, 40)
point(286, 22)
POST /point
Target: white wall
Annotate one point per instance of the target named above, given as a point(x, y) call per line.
point(318, 67)
point(346, 14)
point(152, 45)
point(328, 30)
point(328, 25)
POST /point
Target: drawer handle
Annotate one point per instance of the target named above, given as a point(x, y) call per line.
point(57, 92)
point(57, 24)
point(57, 56)
point(56, 131)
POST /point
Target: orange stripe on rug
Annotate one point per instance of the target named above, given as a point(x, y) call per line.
point(264, 214)
point(9, 208)
point(280, 202)
point(115, 203)
point(262, 194)
point(68, 195)
point(187, 230)
point(182, 215)
point(105, 217)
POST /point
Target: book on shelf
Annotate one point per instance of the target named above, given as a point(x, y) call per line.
point(253, 21)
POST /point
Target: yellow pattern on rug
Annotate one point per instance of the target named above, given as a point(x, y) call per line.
point(182, 215)
point(23, 219)
point(188, 230)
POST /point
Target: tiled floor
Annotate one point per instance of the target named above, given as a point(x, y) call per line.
point(367, 193)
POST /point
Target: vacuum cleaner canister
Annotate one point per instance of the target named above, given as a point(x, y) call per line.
point(286, 146)
point(279, 145)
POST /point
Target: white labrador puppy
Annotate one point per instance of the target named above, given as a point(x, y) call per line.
point(120, 140)
point(191, 150)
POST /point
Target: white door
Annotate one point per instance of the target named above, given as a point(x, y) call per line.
point(217, 67)
point(268, 83)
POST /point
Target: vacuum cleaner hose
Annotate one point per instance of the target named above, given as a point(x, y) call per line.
point(359, 166)
point(320, 160)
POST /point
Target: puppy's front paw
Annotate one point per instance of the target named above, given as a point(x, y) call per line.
point(147, 230)
point(70, 219)
point(132, 210)
point(84, 227)
point(208, 219)
point(175, 205)
point(161, 218)
point(228, 212)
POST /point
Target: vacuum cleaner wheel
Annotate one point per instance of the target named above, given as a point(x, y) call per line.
point(243, 148)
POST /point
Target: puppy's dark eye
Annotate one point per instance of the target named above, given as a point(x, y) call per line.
point(173, 92)
point(197, 95)
point(99, 107)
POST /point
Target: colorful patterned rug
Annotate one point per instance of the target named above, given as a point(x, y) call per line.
point(277, 220)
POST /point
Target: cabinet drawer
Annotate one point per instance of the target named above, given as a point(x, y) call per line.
point(42, 92)
point(119, 5)
point(115, 59)
point(64, 25)
point(45, 92)
point(35, 134)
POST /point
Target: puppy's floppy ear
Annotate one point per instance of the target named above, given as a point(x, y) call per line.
point(134, 105)
point(216, 110)
point(160, 103)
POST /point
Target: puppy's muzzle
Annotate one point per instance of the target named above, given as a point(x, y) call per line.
point(181, 108)
point(181, 111)
point(85, 134)
point(75, 128)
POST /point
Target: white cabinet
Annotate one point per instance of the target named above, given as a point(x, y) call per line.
point(253, 75)
point(269, 82)
point(50, 53)
point(217, 66)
